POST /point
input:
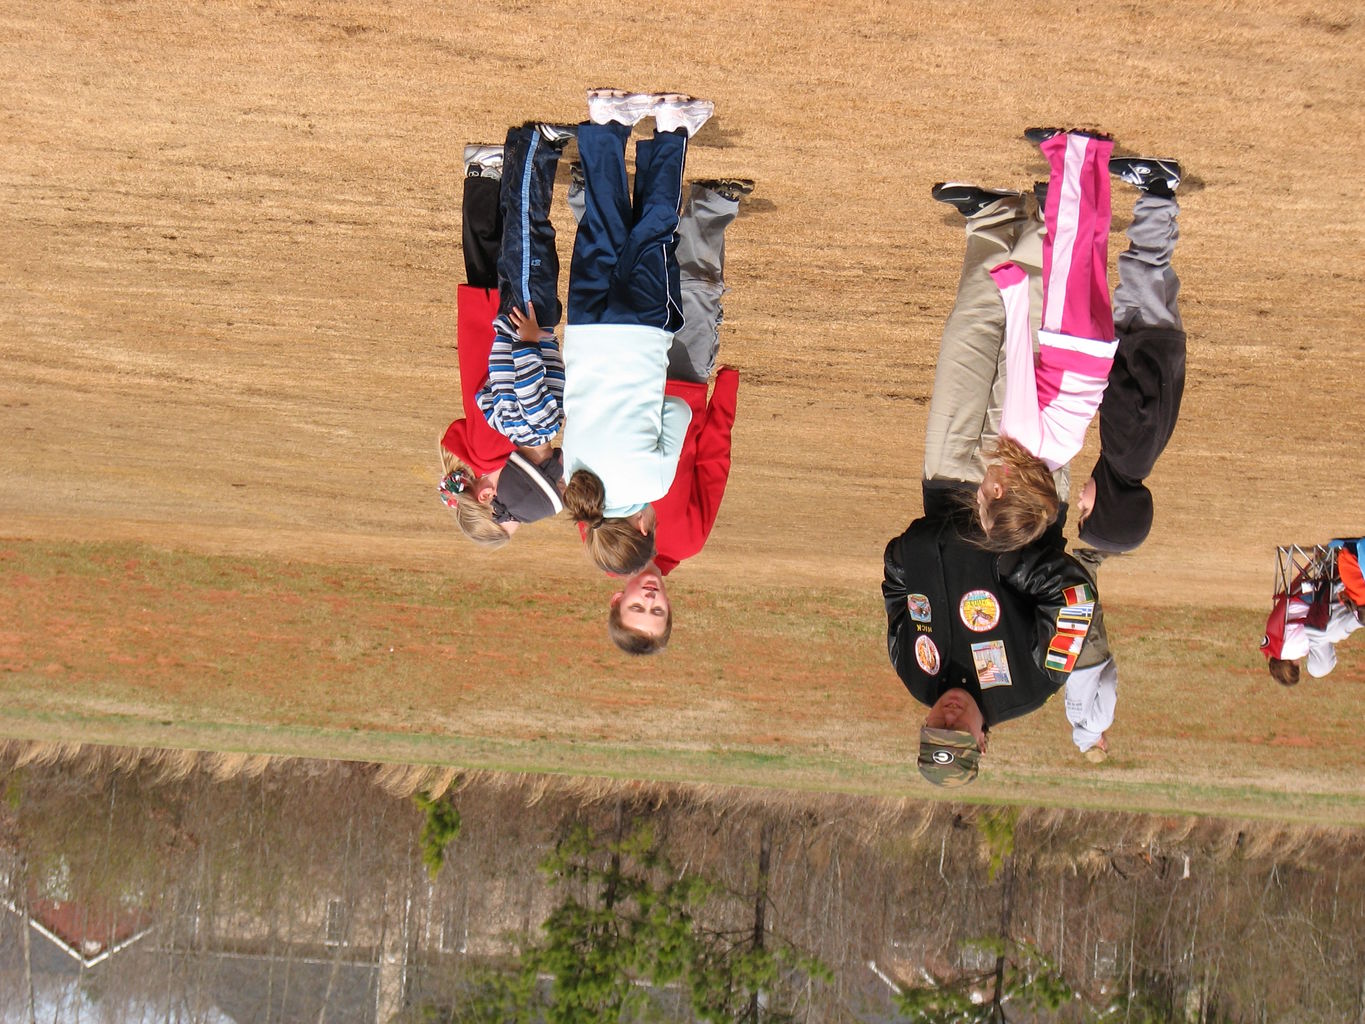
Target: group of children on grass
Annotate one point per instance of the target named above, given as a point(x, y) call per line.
point(645, 455)
point(1033, 350)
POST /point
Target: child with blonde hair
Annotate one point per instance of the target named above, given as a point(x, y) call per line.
point(498, 469)
point(1051, 395)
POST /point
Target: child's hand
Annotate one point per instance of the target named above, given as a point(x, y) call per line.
point(525, 323)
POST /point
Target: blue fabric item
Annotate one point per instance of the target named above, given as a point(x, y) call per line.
point(528, 265)
point(625, 267)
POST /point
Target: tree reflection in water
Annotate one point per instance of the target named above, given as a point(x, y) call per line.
point(161, 885)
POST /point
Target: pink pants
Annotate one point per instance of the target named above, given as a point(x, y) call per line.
point(1076, 248)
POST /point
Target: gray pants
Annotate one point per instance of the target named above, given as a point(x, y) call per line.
point(701, 263)
point(1148, 288)
point(969, 379)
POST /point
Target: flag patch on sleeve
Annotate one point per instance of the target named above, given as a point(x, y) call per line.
point(1063, 652)
point(1082, 593)
point(1073, 623)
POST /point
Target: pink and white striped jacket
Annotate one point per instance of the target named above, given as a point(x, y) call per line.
point(1051, 399)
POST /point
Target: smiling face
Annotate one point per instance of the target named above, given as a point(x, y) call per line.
point(642, 603)
point(958, 710)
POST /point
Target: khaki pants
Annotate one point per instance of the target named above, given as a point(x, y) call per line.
point(969, 381)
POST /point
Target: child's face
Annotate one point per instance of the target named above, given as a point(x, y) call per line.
point(643, 602)
point(993, 487)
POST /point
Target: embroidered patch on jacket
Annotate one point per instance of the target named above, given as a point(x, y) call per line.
point(927, 656)
point(1063, 651)
point(1075, 618)
point(918, 607)
point(980, 611)
point(1073, 623)
point(1079, 594)
point(992, 667)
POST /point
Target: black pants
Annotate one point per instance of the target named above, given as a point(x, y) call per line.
point(482, 232)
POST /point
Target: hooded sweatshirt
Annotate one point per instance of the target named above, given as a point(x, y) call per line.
point(1137, 417)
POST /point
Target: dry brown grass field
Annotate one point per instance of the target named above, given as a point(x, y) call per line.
point(230, 249)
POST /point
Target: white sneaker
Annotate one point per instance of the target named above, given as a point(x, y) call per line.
point(674, 111)
point(483, 161)
point(607, 105)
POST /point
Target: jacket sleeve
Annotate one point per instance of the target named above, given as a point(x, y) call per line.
point(1142, 402)
point(900, 638)
point(1064, 599)
point(711, 470)
point(893, 595)
point(677, 414)
point(475, 310)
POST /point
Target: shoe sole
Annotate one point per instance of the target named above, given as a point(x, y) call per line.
point(690, 113)
point(943, 186)
point(1172, 178)
point(633, 105)
point(1038, 136)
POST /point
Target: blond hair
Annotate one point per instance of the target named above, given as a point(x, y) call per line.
point(474, 519)
point(615, 544)
point(1029, 505)
point(635, 641)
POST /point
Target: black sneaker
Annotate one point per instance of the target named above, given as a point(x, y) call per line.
point(1041, 135)
point(557, 135)
point(1040, 194)
point(1149, 174)
point(577, 180)
point(1037, 136)
point(968, 200)
point(733, 189)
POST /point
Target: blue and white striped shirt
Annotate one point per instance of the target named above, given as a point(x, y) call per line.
point(523, 398)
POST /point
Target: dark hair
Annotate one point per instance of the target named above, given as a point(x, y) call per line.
point(635, 641)
point(1286, 673)
point(614, 544)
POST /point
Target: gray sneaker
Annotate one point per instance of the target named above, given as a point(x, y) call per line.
point(483, 161)
point(608, 105)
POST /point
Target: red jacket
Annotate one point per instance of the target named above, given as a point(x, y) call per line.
point(481, 447)
point(688, 511)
